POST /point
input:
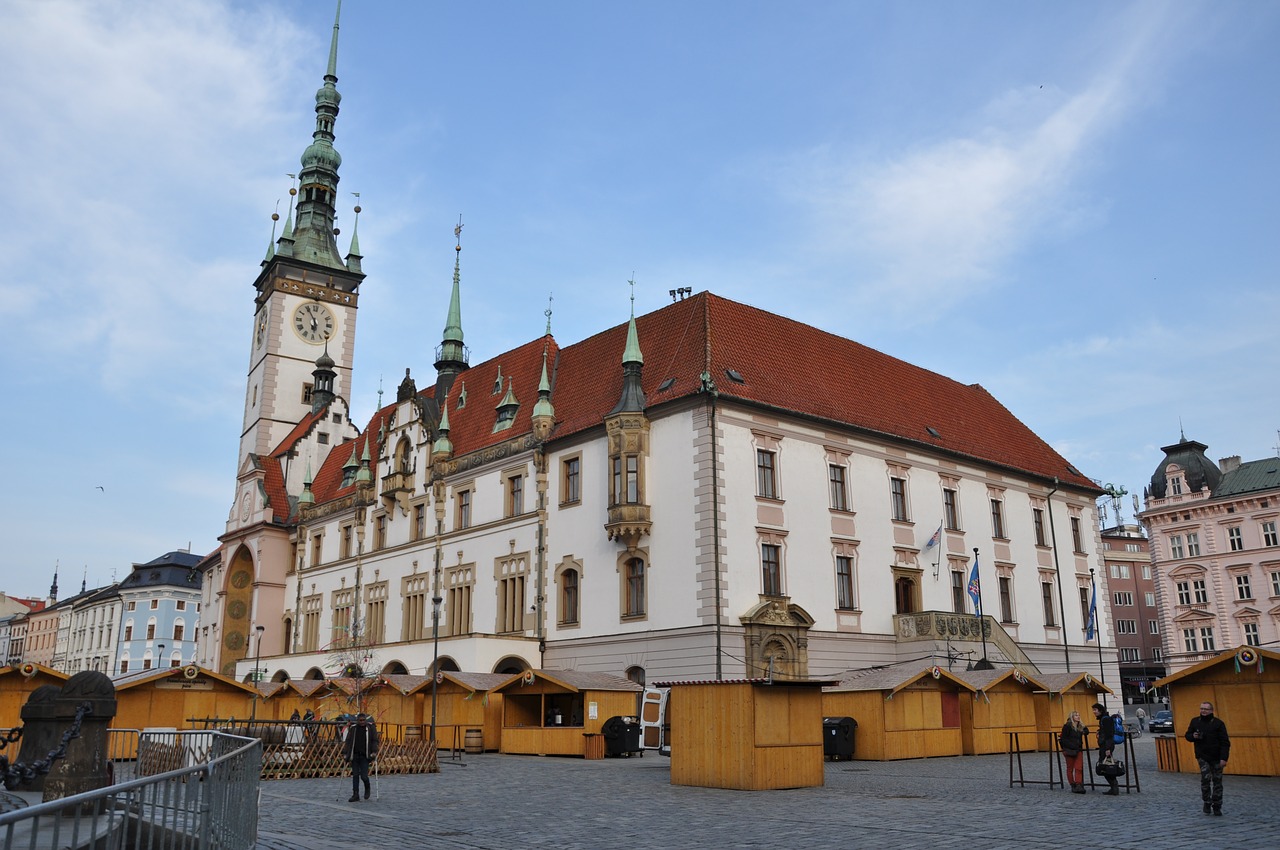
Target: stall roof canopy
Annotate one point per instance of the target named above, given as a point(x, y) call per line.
point(1056, 683)
point(894, 679)
point(985, 680)
point(36, 668)
point(820, 683)
point(1229, 656)
point(570, 680)
point(141, 677)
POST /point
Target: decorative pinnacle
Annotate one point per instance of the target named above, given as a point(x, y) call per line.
point(332, 70)
point(547, 312)
point(457, 233)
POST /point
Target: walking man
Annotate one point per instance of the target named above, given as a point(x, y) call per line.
point(1142, 719)
point(1209, 734)
point(1106, 744)
point(359, 749)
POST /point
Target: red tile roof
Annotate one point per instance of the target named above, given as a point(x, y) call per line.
point(784, 365)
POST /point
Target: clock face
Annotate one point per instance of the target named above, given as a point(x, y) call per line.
point(313, 322)
point(262, 327)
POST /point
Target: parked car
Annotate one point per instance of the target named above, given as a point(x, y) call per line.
point(1161, 721)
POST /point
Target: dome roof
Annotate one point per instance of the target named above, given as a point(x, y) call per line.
point(1196, 468)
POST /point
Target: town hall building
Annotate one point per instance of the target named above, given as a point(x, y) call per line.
point(707, 490)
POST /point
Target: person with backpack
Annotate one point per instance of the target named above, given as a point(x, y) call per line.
point(1209, 734)
point(1107, 743)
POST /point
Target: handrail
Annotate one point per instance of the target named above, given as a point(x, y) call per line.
point(163, 810)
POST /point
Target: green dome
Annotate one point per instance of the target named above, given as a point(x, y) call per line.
point(321, 154)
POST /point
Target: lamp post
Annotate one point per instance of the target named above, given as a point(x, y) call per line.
point(435, 657)
point(257, 659)
point(159, 656)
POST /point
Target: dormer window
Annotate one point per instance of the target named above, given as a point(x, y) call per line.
point(497, 382)
point(1175, 485)
point(507, 409)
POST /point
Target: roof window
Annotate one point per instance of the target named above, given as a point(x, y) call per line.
point(735, 376)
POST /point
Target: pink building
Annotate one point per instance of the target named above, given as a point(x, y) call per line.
point(1215, 550)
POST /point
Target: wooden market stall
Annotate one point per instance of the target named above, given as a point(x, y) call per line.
point(465, 703)
point(549, 712)
point(1064, 693)
point(1243, 685)
point(1003, 701)
point(16, 684)
point(169, 697)
point(747, 734)
point(902, 712)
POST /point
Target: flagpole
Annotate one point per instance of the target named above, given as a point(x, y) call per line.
point(983, 663)
point(1097, 632)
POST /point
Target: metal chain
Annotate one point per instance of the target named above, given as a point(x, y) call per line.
point(20, 773)
point(10, 737)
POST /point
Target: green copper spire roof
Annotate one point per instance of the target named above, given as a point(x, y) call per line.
point(314, 239)
point(542, 407)
point(365, 473)
point(632, 352)
point(452, 347)
point(307, 497)
point(443, 446)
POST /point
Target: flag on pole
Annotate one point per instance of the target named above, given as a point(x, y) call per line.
point(1093, 613)
point(975, 586)
point(933, 541)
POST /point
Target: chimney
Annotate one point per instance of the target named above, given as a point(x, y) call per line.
point(1229, 464)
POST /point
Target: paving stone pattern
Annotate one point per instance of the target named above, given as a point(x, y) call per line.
point(497, 801)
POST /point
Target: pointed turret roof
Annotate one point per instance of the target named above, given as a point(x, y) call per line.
point(314, 237)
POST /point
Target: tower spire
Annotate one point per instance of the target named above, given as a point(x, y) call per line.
point(315, 238)
point(632, 399)
point(451, 359)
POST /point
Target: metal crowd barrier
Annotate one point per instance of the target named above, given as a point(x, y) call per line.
point(210, 804)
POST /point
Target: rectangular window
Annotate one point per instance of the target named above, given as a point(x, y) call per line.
point(128, 632)
point(380, 532)
point(766, 480)
point(132, 605)
point(1269, 537)
point(458, 605)
point(571, 482)
point(511, 607)
point(1037, 522)
point(844, 582)
point(180, 605)
point(898, 498)
point(1243, 589)
point(1251, 635)
point(997, 519)
point(178, 631)
point(1202, 593)
point(1234, 538)
point(838, 487)
point(1184, 593)
point(1175, 546)
point(1150, 599)
point(958, 591)
point(151, 631)
point(1084, 605)
point(1193, 545)
point(1157, 654)
point(344, 547)
point(155, 603)
point(1046, 599)
point(463, 509)
point(1275, 582)
point(1006, 599)
point(1189, 640)
point(316, 541)
point(1077, 540)
point(1126, 627)
point(1153, 627)
point(771, 569)
point(1206, 639)
point(635, 599)
point(419, 522)
point(515, 495)
point(569, 597)
point(1146, 572)
point(633, 480)
point(1122, 598)
point(1130, 654)
point(951, 509)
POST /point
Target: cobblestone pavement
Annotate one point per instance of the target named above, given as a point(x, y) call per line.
point(497, 801)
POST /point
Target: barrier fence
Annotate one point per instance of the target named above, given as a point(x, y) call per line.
point(210, 804)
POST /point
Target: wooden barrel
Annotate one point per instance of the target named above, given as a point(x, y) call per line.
point(412, 734)
point(474, 741)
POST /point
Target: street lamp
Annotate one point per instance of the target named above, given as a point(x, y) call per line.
point(159, 656)
point(257, 660)
point(435, 658)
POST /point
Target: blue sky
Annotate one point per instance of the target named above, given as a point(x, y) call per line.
point(1072, 204)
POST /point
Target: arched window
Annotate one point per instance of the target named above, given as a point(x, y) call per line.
point(403, 456)
point(179, 628)
point(904, 594)
point(636, 674)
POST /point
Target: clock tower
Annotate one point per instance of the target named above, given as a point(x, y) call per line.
point(306, 295)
